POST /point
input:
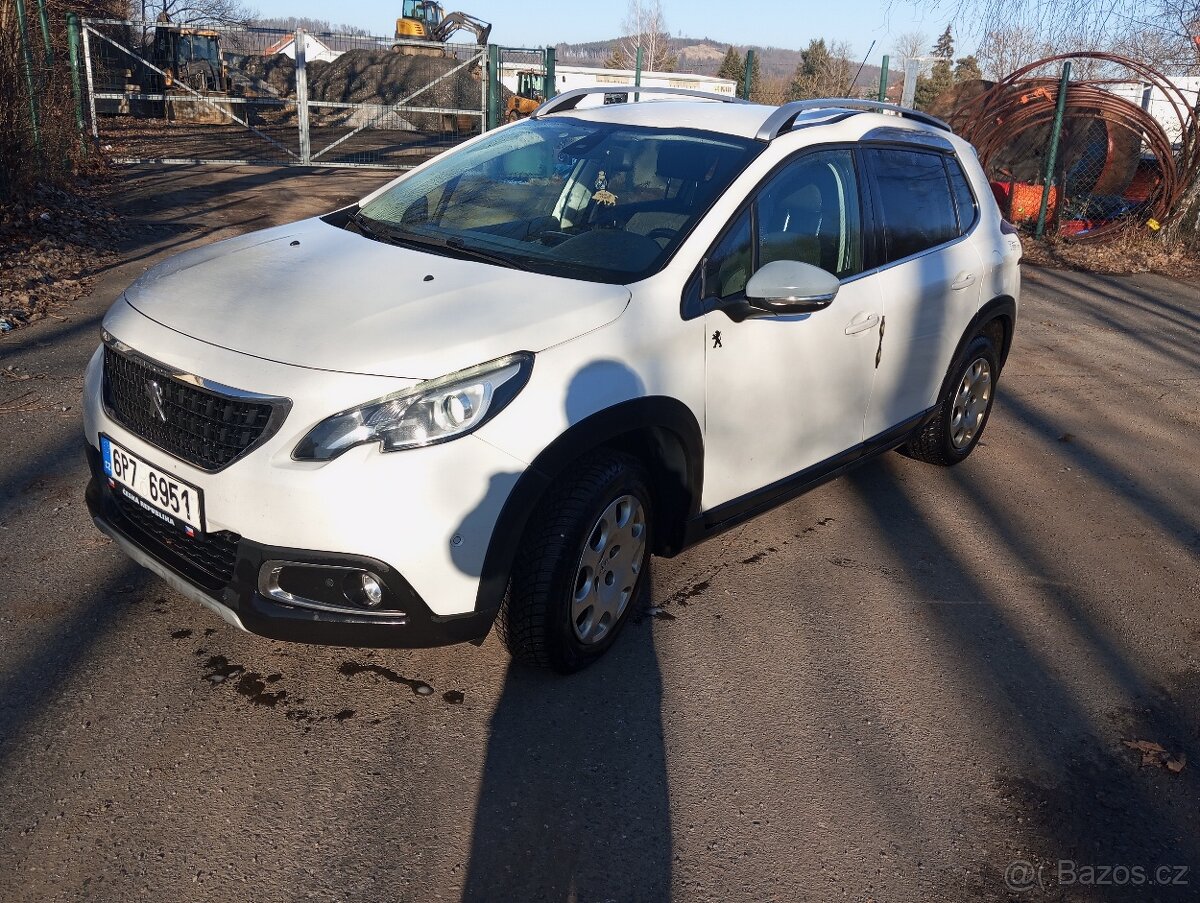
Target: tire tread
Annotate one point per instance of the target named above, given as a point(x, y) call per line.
point(525, 612)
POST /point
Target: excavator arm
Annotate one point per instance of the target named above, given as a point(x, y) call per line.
point(453, 22)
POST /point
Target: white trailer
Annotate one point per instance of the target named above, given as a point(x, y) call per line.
point(567, 78)
point(1155, 102)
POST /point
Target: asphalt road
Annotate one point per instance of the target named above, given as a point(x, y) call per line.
point(890, 689)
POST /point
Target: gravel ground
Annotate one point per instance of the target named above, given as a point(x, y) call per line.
point(891, 689)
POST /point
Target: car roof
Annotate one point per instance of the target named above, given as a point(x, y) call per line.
point(764, 122)
point(741, 119)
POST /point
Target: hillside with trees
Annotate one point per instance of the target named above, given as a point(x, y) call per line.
point(705, 56)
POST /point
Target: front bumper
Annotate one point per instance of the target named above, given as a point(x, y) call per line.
point(238, 598)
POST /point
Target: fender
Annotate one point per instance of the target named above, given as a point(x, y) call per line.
point(663, 431)
point(1001, 306)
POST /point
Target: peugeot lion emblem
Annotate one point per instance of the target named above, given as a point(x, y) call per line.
point(154, 390)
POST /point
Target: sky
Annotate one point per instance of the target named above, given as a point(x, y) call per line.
point(536, 23)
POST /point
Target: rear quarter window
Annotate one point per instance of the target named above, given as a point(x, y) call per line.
point(964, 198)
point(917, 210)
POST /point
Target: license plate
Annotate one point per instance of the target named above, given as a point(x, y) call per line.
point(176, 503)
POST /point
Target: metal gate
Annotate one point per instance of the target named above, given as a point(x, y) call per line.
point(520, 79)
point(171, 93)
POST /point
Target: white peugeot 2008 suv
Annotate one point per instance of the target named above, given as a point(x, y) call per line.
point(489, 391)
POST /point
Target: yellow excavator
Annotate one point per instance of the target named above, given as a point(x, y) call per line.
point(425, 20)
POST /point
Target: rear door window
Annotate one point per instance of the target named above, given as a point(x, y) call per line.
point(916, 205)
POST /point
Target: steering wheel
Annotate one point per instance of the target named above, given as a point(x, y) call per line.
point(662, 232)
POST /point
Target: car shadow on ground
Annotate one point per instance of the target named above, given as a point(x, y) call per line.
point(573, 803)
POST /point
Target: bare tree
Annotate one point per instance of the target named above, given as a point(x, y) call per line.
point(195, 12)
point(316, 26)
point(1074, 25)
point(1004, 50)
point(908, 46)
point(1165, 51)
point(644, 26)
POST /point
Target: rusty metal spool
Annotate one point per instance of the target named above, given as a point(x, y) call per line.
point(1010, 121)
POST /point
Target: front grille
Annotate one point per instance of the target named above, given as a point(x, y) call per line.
point(209, 558)
point(202, 427)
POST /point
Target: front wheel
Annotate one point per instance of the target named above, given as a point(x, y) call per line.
point(962, 411)
point(581, 567)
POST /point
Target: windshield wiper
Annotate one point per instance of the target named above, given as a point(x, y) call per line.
point(366, 225)
point(397, 235)
point(458, 247)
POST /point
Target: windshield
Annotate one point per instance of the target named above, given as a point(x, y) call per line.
point(197, 47)
point(585, 200)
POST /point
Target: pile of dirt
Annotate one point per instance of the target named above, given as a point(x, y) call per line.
point(263, 76)
point(52, 244)
point(363, 76)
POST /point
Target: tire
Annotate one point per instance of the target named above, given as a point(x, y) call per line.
point(963, 410)
point(592, 525)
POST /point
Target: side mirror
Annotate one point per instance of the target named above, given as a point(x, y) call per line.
point(791, 287)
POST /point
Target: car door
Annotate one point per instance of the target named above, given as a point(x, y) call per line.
point(784, 393)
point(929, 277)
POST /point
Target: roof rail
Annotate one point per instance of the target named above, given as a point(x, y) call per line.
point(569, 100)
point(785, 117)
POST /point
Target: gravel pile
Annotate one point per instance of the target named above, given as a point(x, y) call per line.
point(364, 76)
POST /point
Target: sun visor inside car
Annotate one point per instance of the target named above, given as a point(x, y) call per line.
point(684, 160)
point(534, 161)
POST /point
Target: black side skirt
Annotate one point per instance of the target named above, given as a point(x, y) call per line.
point(736, 511)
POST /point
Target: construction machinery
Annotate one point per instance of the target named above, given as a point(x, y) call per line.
point(190, 62)
point(531, 92)
point(190, 56)
point(427, 21)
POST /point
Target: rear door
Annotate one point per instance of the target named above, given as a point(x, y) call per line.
point(929, 276)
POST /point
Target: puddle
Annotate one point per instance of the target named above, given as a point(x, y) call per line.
point(350, 669)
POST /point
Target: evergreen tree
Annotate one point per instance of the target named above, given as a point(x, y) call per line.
point(941, 78)
point(967, 69)
point(943, 48)
point(732, 67)
point(813, 73)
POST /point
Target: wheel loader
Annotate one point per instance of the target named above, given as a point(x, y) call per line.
point(531, 91)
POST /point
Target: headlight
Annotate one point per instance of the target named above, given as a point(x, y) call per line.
point(430, 412)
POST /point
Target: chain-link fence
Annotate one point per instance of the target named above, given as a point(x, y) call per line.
point(176, 93)
point(1086, 158)
point(41, 131)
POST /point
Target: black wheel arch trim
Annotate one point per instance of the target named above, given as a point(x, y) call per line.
point(1002, 306)
point(659, 425)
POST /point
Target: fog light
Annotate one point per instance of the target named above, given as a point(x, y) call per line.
point(372, 591)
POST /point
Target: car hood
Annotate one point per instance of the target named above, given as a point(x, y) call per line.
point(313, 295)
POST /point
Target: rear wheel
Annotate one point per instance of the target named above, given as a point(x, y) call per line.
point(582, 564)
point(963, 410)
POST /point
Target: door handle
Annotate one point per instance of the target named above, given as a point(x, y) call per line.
point(963, 280)
point(862, 323)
